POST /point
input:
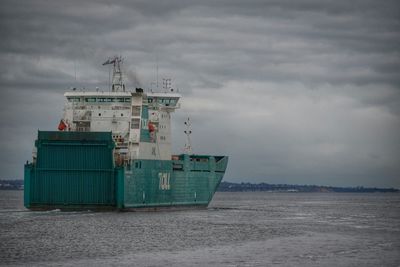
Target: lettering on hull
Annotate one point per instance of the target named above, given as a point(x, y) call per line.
point(164, 178)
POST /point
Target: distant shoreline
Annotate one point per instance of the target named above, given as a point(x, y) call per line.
point(11, 184)
point(264, 187)
point(260, 187)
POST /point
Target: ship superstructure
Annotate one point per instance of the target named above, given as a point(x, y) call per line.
point(139, 124)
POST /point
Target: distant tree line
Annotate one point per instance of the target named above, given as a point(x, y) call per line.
point(242, 187)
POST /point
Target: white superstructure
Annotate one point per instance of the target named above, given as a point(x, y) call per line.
point(140, 122)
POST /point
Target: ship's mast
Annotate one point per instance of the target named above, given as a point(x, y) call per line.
point(117, 82)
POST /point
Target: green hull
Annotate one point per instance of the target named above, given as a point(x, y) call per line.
point(76, 171)
point(182, 182)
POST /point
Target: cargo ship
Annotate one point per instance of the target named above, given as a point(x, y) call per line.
point(112, 150)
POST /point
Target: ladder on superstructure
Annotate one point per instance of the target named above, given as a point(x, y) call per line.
point(188, 146)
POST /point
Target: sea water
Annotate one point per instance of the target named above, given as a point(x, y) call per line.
point(238, 229)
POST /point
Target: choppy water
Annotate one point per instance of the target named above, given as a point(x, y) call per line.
point(238, 229)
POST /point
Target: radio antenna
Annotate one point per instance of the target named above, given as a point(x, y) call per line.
point(157, 69)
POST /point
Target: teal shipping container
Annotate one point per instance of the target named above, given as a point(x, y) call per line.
point(72, 170)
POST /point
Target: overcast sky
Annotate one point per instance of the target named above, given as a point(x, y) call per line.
point(300, 91)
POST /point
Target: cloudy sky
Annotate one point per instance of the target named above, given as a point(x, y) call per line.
point(304, 92)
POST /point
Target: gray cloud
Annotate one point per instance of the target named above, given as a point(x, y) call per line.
point(293, 91)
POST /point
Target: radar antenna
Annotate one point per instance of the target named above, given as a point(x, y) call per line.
point(167, 84)
point(188, 132)
point(117, 82)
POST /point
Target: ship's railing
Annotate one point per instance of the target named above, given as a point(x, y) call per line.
point(156, 105)
point(202, 163)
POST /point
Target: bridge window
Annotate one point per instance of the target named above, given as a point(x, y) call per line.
point(74, 99)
